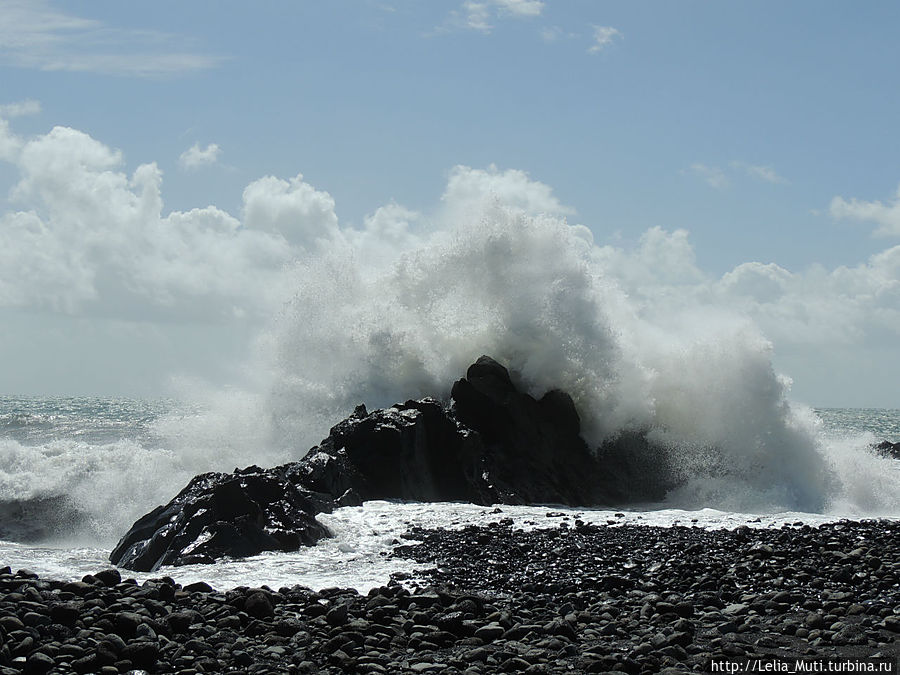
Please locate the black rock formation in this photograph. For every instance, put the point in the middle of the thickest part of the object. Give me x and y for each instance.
(216, 515)
(492, 444)
(888, 449)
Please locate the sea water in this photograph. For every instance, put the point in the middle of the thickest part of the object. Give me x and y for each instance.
(88, 467)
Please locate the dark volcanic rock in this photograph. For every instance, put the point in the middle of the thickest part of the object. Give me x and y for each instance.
(583, 599)
(671, 597)
(216, 515)
(888, 449)
(533, 450)
(415, 451)
(492, 444)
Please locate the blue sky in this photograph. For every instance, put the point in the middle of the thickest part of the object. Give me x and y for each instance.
(765, 130)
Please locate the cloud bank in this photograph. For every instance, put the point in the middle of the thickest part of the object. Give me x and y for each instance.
(886, 216)
(88, 238)
(35, 35)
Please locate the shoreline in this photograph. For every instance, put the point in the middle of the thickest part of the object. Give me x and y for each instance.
(583, 598)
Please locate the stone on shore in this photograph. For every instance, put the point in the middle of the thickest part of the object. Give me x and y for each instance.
(582, 599)
(491, 444)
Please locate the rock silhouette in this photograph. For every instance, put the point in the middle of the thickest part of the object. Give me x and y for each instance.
(888, 449)
(491, 444)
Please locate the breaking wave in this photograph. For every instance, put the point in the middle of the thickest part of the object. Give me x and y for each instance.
(377, 321)
(539, 295)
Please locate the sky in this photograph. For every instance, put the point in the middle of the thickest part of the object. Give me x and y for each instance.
(164, 166)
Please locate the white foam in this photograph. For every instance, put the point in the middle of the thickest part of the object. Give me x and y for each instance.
(110, 485)
(357, 557)
(529, 290)
(536, 294)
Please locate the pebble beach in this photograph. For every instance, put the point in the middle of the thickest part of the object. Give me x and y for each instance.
(571, 598)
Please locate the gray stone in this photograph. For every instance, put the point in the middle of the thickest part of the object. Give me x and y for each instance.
(490, 632)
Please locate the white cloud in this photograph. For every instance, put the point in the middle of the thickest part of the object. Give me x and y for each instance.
(20, 109)
(604, 36)
(33, 34)
(521, 7)
(387, 233)
(766, 173)
(471, 190)
(669, 255)
(90, 239)
(195, 156)
(720, 178)
(660, 275)
(551, 34)
(756, 281)
(479, 15)
(9, 142)
(761, 172)
(857, 305)
(293, 209)
(714, 176)
(809, 312)
(886, 216)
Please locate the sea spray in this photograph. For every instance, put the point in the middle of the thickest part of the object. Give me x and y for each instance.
(517, 288)
(81, 470)
(533, 292)
(539, 295)
(527, 288)
(735, 440)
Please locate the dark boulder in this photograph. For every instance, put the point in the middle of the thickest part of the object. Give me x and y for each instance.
(888, 449)
(532, 450)
(238, 514)
(413, 451)
(491, 444)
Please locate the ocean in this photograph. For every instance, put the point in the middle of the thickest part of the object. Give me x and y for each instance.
(76, 472)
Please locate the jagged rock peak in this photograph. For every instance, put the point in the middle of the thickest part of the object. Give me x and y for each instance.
(491, 444)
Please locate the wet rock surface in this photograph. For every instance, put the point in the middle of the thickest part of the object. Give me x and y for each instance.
(491, 444)
(888, 449)
(237, 514)
(568, 599)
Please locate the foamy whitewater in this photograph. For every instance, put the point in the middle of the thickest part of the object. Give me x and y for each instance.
(385, 314)
(112, 460)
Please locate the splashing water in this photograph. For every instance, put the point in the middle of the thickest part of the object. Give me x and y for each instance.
(533, 292)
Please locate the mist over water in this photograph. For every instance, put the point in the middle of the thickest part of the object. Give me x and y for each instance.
(399, 308)
(520, 289)
(538, 295)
